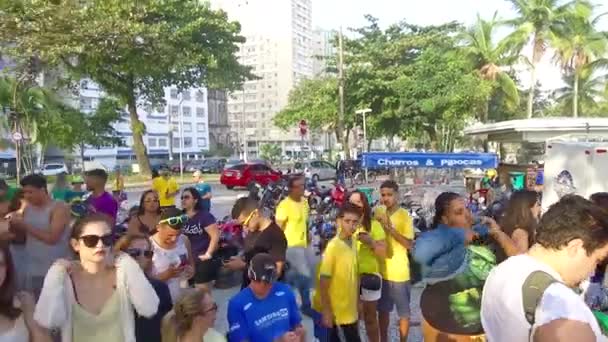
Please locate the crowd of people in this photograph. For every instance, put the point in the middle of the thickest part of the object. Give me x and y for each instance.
(73, 276)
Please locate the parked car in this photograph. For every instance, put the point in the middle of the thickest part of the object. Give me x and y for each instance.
(248, 175)
(316, 169)
(213, 165)
(195, 165)
(53, 169)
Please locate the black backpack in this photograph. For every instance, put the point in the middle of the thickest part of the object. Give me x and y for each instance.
(532, 292)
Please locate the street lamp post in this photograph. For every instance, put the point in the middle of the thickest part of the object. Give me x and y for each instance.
(364, 113)
(181, 137)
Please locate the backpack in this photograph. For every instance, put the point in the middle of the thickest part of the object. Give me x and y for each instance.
(532, 292)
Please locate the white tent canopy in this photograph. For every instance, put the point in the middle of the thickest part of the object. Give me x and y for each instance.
(538, 130)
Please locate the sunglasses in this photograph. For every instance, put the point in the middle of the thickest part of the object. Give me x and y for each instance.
(136, 252)
(92, 240)
(174, 221)
(211, 309)
(246, 222)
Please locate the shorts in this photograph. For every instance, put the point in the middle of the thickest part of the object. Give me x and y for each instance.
(206, 271)
(395, 293)
(321, 332)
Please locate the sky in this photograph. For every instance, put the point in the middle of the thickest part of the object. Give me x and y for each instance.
(333, 14)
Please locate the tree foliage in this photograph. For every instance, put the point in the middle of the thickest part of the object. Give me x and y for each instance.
(132, 49)
(271, 153)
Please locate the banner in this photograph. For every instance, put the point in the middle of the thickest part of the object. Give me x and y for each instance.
(433, 160)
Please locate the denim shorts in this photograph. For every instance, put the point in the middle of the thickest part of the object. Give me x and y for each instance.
(395, 294)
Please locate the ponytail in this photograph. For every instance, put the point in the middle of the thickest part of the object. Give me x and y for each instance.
(442, 203)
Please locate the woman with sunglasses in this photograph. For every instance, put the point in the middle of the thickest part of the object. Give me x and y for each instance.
(172, 261)
(371, 251)
(139, 248)
(192, 319)
(148, 214)
(204, 236)
(92, 300)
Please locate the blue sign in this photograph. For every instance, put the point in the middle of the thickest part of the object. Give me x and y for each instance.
(434, 160)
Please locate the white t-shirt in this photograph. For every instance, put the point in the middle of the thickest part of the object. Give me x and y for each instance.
(163, 258)
(502, 312)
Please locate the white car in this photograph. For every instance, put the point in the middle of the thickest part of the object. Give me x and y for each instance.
(53, 169)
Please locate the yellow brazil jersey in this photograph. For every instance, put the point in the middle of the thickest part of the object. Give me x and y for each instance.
(339, 263)
(295, 216)
(163, 186)
(396, 266)
(368, 261)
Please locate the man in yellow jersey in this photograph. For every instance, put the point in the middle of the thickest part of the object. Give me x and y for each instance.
(166, 186)
(337, 293)
(292, 217)
(395, 269)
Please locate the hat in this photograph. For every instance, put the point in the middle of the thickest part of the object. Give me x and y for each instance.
(263, 268)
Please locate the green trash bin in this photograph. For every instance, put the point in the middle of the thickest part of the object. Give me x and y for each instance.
(369, 193)
(518, 180)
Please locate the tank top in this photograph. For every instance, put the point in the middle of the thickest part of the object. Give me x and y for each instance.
(163, 258)
(103, 327)
(40, 256)
(19, 332)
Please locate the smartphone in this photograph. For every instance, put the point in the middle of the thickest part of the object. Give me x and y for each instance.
(183, 260)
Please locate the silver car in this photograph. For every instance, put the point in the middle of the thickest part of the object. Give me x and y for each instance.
(316, 169)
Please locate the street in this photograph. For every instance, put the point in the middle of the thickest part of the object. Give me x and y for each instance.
(221, 204)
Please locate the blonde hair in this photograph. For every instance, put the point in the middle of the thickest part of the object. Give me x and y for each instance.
(126, 240)
(179, 320)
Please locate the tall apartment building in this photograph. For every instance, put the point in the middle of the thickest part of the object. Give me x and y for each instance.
(322, 50)
(279, 49)
(184, 114)
(219, 130)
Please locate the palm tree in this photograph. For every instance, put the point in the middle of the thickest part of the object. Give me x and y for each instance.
(490, 59)
(579, 50)
(538, 19)
(583, 90)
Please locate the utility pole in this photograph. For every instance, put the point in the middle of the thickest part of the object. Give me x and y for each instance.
(341, 93)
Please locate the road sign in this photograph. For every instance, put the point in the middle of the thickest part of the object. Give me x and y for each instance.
(17, 136)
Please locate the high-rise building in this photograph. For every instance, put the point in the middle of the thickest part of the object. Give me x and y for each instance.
(279, 49)
(184, 114)
(322, 49)
(219, 130)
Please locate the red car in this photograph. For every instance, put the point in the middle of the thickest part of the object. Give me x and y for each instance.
(246, 175)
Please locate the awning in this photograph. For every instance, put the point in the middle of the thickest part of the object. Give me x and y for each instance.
(433, 160)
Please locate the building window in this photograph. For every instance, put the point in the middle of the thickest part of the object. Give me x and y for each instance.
(186, 95)
(174, 110)
(162, 142)
(201, 127)
(187, 142)
(175, 127)
(200, 112)
(187, 127)
(187, 111)
(86, 103)
(200, 96)
(151, 142)
(201, 142)
(173, 93)
(176, 142)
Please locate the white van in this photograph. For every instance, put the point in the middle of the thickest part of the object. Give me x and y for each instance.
(574, 168)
